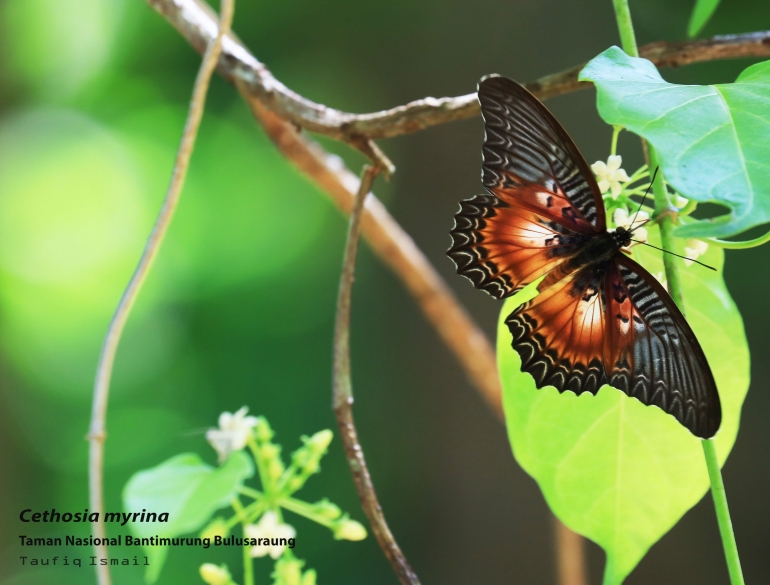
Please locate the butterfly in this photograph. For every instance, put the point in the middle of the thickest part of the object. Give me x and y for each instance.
(599, 317)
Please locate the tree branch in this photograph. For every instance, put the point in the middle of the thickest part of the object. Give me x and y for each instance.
(195, 20)
(97, 433)
(343, 395)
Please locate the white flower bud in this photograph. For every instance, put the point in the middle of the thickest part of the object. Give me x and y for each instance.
(214, 575)
(319, 442)
(349, 530)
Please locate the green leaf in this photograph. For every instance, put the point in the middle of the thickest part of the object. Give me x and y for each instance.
(189, 490)
(612, 469)
(711, 138)
(701, 14)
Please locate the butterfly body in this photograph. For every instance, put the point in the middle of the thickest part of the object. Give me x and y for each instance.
(599, 317)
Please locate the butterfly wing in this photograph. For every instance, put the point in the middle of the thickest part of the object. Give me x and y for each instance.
(543, 202)
(652, 354)
(613, 323)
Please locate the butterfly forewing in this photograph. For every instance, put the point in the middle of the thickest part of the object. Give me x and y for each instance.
(542, 205)
(524, 143)
(599, 318)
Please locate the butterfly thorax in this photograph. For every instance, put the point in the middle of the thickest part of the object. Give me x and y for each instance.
(600, 248)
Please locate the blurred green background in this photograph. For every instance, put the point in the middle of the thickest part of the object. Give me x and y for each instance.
(239, 307)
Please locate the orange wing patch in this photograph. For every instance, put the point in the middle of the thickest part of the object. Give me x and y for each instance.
(560, 333)
(505, 241)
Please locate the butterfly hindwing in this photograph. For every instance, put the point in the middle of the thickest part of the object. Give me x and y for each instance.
(612, 323)
(560, 333)
(652, 354)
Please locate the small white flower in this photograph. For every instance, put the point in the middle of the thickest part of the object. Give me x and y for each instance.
(622, 219)
(609, 175)
(681, 202)
(694, 249)
(271, 532)
(232, 434)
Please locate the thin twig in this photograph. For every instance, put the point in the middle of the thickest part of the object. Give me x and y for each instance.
(194, 19)
(397, 249)
(97, 430)
(343, 395)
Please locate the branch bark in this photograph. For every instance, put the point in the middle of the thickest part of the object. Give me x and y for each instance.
(195, 20)
(570, 555)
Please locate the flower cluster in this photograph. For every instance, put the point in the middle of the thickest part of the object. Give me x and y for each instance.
(262, 519)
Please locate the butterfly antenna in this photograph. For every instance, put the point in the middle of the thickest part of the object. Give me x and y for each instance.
(675, 254)
(647, 192)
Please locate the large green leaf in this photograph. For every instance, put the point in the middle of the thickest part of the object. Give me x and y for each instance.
(712, 139)
(701, 14)
(610, 468)
(189, 490)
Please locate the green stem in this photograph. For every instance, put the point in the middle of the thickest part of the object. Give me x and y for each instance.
(639, 174)
(723, 514)
(666, 226)
(626, 27)
(665, 223)
(307, 510)
(248, 568)
(615, 132)
(252, 493)
(640, 191)
(689, 208)
(247, 514)
(264, 477)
